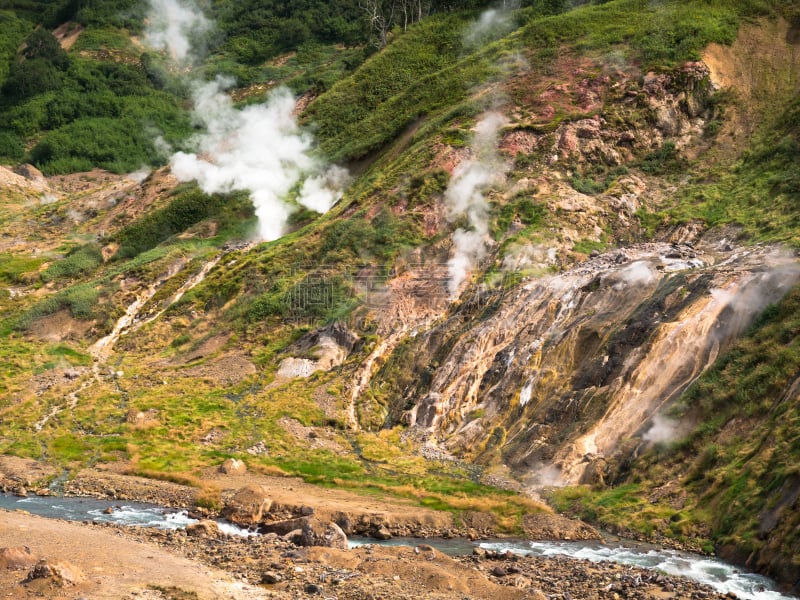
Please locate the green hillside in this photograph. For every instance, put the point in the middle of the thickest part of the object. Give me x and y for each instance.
(615, 131)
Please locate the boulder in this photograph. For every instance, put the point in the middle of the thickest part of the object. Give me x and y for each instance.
(320, 533)
(59, 572)
(248, 505)
(204, 528)
(271, 577)
(382, 533)
(233, 466)
(282, 526)
(29, 172)
(295, 536)
(19, 557)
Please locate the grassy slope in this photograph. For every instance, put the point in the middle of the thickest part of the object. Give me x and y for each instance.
(359, 116)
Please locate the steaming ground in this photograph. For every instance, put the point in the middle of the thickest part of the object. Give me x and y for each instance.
(466, 200)
(259, 149)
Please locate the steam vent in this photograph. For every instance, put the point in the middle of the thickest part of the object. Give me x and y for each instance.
(400, 299)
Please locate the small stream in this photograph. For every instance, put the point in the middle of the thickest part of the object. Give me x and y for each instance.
(708, 570)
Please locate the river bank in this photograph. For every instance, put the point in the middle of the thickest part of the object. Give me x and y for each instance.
(274, 567)
(145, 563)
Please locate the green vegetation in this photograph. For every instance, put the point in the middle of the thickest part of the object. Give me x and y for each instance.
(79, 261)
(187, 208)
(80, 299)
(760, 191)
(521, 209)
(13, 268)
(257, 30)
(412, 77)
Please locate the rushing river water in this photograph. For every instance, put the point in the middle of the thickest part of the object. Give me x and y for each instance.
(109, 511)
(716, 573)
(720, 575)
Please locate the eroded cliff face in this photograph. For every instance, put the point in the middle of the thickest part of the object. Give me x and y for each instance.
(567, 372)
(562, 377)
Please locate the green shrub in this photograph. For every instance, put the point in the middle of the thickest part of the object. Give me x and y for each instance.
(663, 161)
(258, 30)
(522, 208)
(79, 261)
(382, 238)
(186, 209)
(13, 267)
(81, 301)
(127, 14)
(12, 34)
(10, 146)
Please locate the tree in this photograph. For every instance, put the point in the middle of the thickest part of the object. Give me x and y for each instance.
(42, 44)
(380, 14)
(31, 77)
(385, 14)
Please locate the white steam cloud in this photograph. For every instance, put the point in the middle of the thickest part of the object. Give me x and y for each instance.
(543, 475)
(636, 274)
(260, 148)
(664, 430)
(172, 25)
(465, 198)
(492, 24)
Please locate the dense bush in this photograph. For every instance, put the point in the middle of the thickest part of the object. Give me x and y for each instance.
(10, 147)
(12, 33)
(81, 300)
(79, 261)
(260, 29)
(187, 208)
(382, 237)
(521, 208)
(129, 14)
(107, 115)
(119, 145)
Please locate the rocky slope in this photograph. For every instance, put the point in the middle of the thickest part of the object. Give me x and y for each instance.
(521, 289)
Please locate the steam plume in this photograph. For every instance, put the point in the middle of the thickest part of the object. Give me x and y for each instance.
(492, 24)
(664, 430)
(172, 26)
(465, 198)
(259, 148)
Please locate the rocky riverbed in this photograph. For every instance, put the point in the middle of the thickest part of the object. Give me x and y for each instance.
(203, 562)
(390, 573)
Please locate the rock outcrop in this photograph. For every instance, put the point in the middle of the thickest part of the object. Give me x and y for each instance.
(320, 533)
(233, 466)
(248, 506)
(561, 370)
(326, 348)
(60, 573)
(19, 557)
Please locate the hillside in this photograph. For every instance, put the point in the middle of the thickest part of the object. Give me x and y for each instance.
(482, 260)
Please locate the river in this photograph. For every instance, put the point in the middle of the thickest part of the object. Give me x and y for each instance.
(720, 575)
(109, 511)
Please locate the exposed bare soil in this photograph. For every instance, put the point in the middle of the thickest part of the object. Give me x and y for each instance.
(139, 563)
(114, 567)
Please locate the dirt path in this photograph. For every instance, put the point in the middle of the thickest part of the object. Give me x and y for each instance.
(114, 567)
